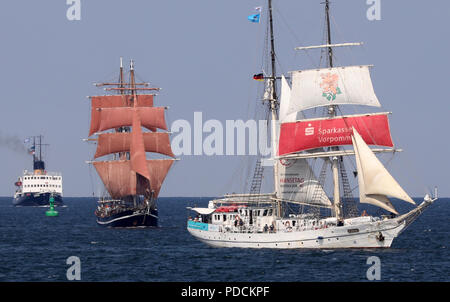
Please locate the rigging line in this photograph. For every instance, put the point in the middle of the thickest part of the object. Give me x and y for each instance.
(265, 47)
(364, 124)
(91, 180)
(324, 51)
(340, 35)
(291, 31)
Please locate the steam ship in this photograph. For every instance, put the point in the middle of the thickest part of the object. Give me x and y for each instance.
(34, 188)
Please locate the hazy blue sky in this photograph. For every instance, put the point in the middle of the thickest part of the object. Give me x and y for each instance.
(202, 54)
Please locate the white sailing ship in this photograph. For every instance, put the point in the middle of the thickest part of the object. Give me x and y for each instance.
(258, 220)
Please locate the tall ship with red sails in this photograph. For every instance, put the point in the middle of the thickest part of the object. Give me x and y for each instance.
(124, 125)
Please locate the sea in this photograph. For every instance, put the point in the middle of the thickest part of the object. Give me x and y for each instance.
(37, 248)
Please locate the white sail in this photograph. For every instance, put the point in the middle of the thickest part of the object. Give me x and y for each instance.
(297, 182)
(376, 179)
(377, 200)
(285, 98)
(331, 86)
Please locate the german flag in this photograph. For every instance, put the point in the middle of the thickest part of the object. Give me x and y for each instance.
(258, 77)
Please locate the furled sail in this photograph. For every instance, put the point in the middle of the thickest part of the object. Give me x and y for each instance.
(120, 180)
(114, 101)
(109, 143)
(375, 179)
(350, 85)
(297, 183)
(325, 132)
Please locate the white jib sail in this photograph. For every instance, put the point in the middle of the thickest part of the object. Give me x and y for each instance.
(331, 86)
(284, 103)
(377, 180)
(297, 183)
(377, 200)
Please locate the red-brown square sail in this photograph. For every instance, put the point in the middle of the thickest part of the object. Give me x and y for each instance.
(121, 181)
(109, 143)
(114, 101)
(117, 177)
(150, 117)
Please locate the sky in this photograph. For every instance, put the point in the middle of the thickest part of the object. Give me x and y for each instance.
(203, 55)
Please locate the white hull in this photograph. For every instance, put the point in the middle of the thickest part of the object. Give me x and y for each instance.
(333, 237)
(376, 234)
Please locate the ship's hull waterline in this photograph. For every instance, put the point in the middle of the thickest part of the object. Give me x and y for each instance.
(130, 219)
(371, 235)
(374, 234)
(37, 200)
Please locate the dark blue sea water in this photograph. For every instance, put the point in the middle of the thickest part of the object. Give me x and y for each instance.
(34, 247)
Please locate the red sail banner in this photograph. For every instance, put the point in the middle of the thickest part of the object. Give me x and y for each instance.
(120, 180)
(109, 143)
(317, 133)
(150, 118)
(114, 101)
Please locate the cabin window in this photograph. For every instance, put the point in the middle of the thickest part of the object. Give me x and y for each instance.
(265, 213)
(353, 230)
(224, 217)
(293, 223)
(270, 212)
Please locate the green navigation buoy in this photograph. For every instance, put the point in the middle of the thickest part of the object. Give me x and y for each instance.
(52, 211)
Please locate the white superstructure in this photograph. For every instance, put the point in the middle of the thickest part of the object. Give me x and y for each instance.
(39, 182)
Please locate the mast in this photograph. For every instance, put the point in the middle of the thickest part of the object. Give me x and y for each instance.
(40, 147)
(34, 153)
(330, 49)
(121, 76)
(38, 163)
(273, 103)
(332, 113)
(133, 93)
(122, 155)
